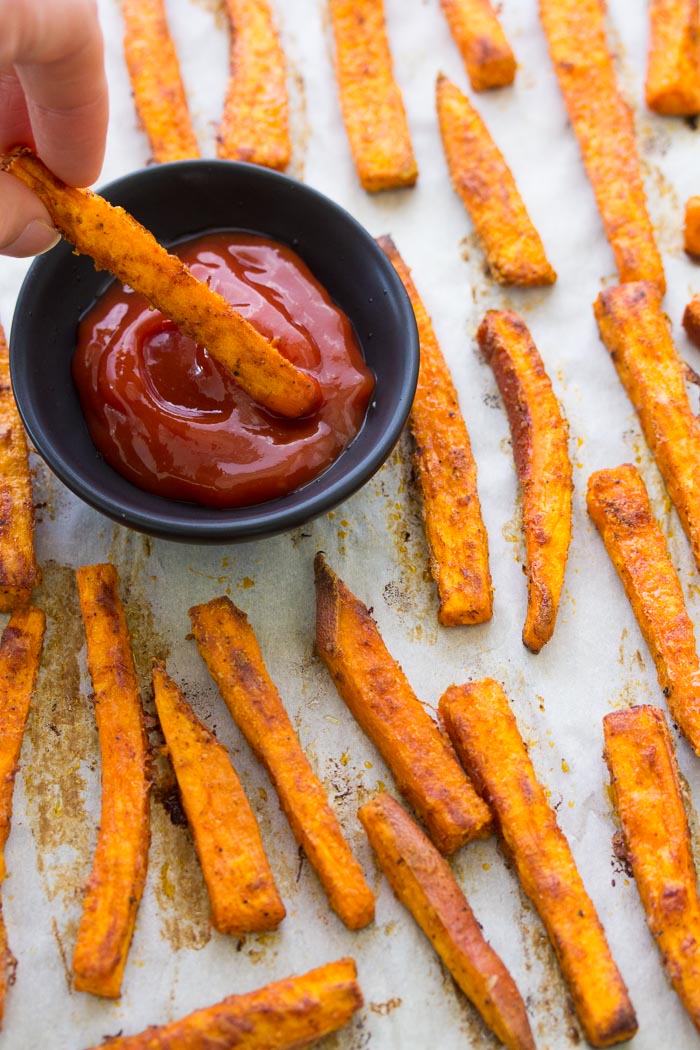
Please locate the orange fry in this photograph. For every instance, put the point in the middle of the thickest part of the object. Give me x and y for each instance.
(119, 866)
(480, 38)
(691, 226)
(673, 70)
(484, 731)
(513, 247)
(454, 527)
(370, 98)
(691, 320)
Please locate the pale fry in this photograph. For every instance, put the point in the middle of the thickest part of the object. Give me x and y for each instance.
(673, 70)
(691, 226)
(454, 527)
(480, 38)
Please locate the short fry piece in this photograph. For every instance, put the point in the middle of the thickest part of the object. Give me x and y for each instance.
(691, 226)
(370, 98)
(691, 320)
(119, 866)
(480, 38)
(285, 1015)
(540, 447)
(647, 795)
(159, 94)
(255, 123)
(423, 882)
(484, 731)
(619, 505)
(673, 70)
(241, 887)
(454, 527)
(121, 245)
(480, 176)
(636, 333)
(377, 692)
(575, 31)
(230, 650)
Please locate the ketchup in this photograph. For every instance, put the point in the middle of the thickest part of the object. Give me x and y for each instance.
(172, 420)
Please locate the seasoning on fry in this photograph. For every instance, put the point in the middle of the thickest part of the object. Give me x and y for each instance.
(379, 697)
(513, 247)
(119, 865)
(485, 734)
(539, 434)
(454, 527)
(480, 38)
(673, 69)
(691, 226)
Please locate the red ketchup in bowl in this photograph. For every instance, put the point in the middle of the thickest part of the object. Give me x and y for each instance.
(172, 420)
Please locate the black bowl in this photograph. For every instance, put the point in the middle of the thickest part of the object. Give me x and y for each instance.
(180, 200)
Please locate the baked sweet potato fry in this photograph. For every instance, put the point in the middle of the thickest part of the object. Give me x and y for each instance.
(121, 245)
(285, 1015)
(230, 650)
(379, 697)
(691, 320)
(480, 38)
(446, 471)
(159, 94)
(636, 333)
(601, 119)
(370, 99)
(673, 69)
(647, 795)
(423, 882)
(539, 434)
(619, 505)
(485, 734)
(119, 865)
(255, 122)
(241, 887)
(480, 176)
(691, 226)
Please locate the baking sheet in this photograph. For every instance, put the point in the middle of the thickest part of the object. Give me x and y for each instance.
(596, 661)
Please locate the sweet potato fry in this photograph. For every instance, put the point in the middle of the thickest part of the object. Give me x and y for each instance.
(119, 866)
(423, 882)
(601, 119)
(454, 527)
(159, 94)
(370, 98)
(284, 1015)
(377, 692)
(255, 122)
(636, 333)
(540, 447)
(691, 226)
(647, 795)
(619, 505)
(480, 38)
(121, 245)
(513, 248)
(241, 887)
(673, 69)
(691, 320)
(230, 650)
(485, 734)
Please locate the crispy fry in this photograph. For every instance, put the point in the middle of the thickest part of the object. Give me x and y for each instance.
(602, 121)
(691, 320)
(619, 505)
(636, 333)
(370, 98)
(647, 795)
(8, 966)
(119, 865)
(540, 447)
(513, 248)
(424, 883)
(485, 734)
(379, 697)
(241, 887)
(230, 650)
(480, 38)
(673, 70)
(255, 122)
(159, 94)
(691, 226)
(454, 527)
(121, 245)
(284, 1015)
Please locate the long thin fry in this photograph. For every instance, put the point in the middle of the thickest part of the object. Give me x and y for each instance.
(673, 69)
(454, 527)
(230, 650)
(119, 866)
(121, 245)
(484, 731)
(480, 38)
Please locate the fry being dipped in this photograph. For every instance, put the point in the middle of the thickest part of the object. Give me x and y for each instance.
(480, 38)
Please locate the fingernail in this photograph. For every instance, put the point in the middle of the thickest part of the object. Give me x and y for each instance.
(38, 237)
